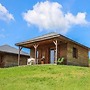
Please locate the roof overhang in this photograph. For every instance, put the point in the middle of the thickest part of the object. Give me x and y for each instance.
(49, 39)
(38, 41)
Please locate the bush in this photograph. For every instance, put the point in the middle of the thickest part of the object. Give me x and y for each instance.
(60, 60)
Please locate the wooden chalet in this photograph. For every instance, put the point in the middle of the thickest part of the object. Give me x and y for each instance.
(52, 46)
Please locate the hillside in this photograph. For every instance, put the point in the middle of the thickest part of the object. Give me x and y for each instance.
(45, 77)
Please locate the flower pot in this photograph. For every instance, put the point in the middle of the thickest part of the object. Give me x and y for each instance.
(42, 62)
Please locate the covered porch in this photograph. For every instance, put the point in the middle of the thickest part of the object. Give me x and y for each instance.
(46, 51)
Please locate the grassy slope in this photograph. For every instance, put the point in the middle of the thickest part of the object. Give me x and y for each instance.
(47, 77)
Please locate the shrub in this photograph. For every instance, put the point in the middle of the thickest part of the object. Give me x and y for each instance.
(60, 60)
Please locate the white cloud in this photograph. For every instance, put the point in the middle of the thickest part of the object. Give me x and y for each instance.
(50, 16)
(4, 14)
(79, 19)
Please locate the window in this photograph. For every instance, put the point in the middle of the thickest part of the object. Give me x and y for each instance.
(75, 52)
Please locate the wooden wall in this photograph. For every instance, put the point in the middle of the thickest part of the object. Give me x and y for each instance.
(44, 51)
(81, 60)
(12, 60)
(1, 60)
(32, 53)
(64, 50)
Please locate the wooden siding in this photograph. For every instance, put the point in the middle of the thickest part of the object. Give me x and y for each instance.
(63, 52)
(32, 53)
(82, 58)
(12, 60)
(1, 60)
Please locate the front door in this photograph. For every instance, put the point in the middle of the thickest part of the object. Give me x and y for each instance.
(52, 56)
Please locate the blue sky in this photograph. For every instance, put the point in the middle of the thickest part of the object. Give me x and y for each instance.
(21, 20)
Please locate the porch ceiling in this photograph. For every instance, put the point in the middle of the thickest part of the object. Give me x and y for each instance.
(41, 42)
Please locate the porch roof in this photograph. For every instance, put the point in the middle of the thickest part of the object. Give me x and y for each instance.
(47, 38)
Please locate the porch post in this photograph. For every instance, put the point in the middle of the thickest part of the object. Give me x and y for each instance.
(56, 44)
(20, 48)
(35, 47)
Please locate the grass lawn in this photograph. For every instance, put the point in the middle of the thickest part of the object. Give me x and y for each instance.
(45, 77)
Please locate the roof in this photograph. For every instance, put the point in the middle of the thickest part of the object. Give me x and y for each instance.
(10, 49)
(39, 38)
(50, 36)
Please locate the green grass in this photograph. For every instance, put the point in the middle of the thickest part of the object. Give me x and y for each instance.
(45, 77)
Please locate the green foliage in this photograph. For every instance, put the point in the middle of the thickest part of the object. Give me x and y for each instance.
(45, 77)
(60, 60)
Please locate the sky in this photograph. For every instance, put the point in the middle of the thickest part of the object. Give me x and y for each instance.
(21, 20)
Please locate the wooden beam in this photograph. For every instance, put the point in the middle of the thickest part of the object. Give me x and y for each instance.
(54, 42)
(56, 46)
(35, 47)
(56, 51)
(20, 48)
